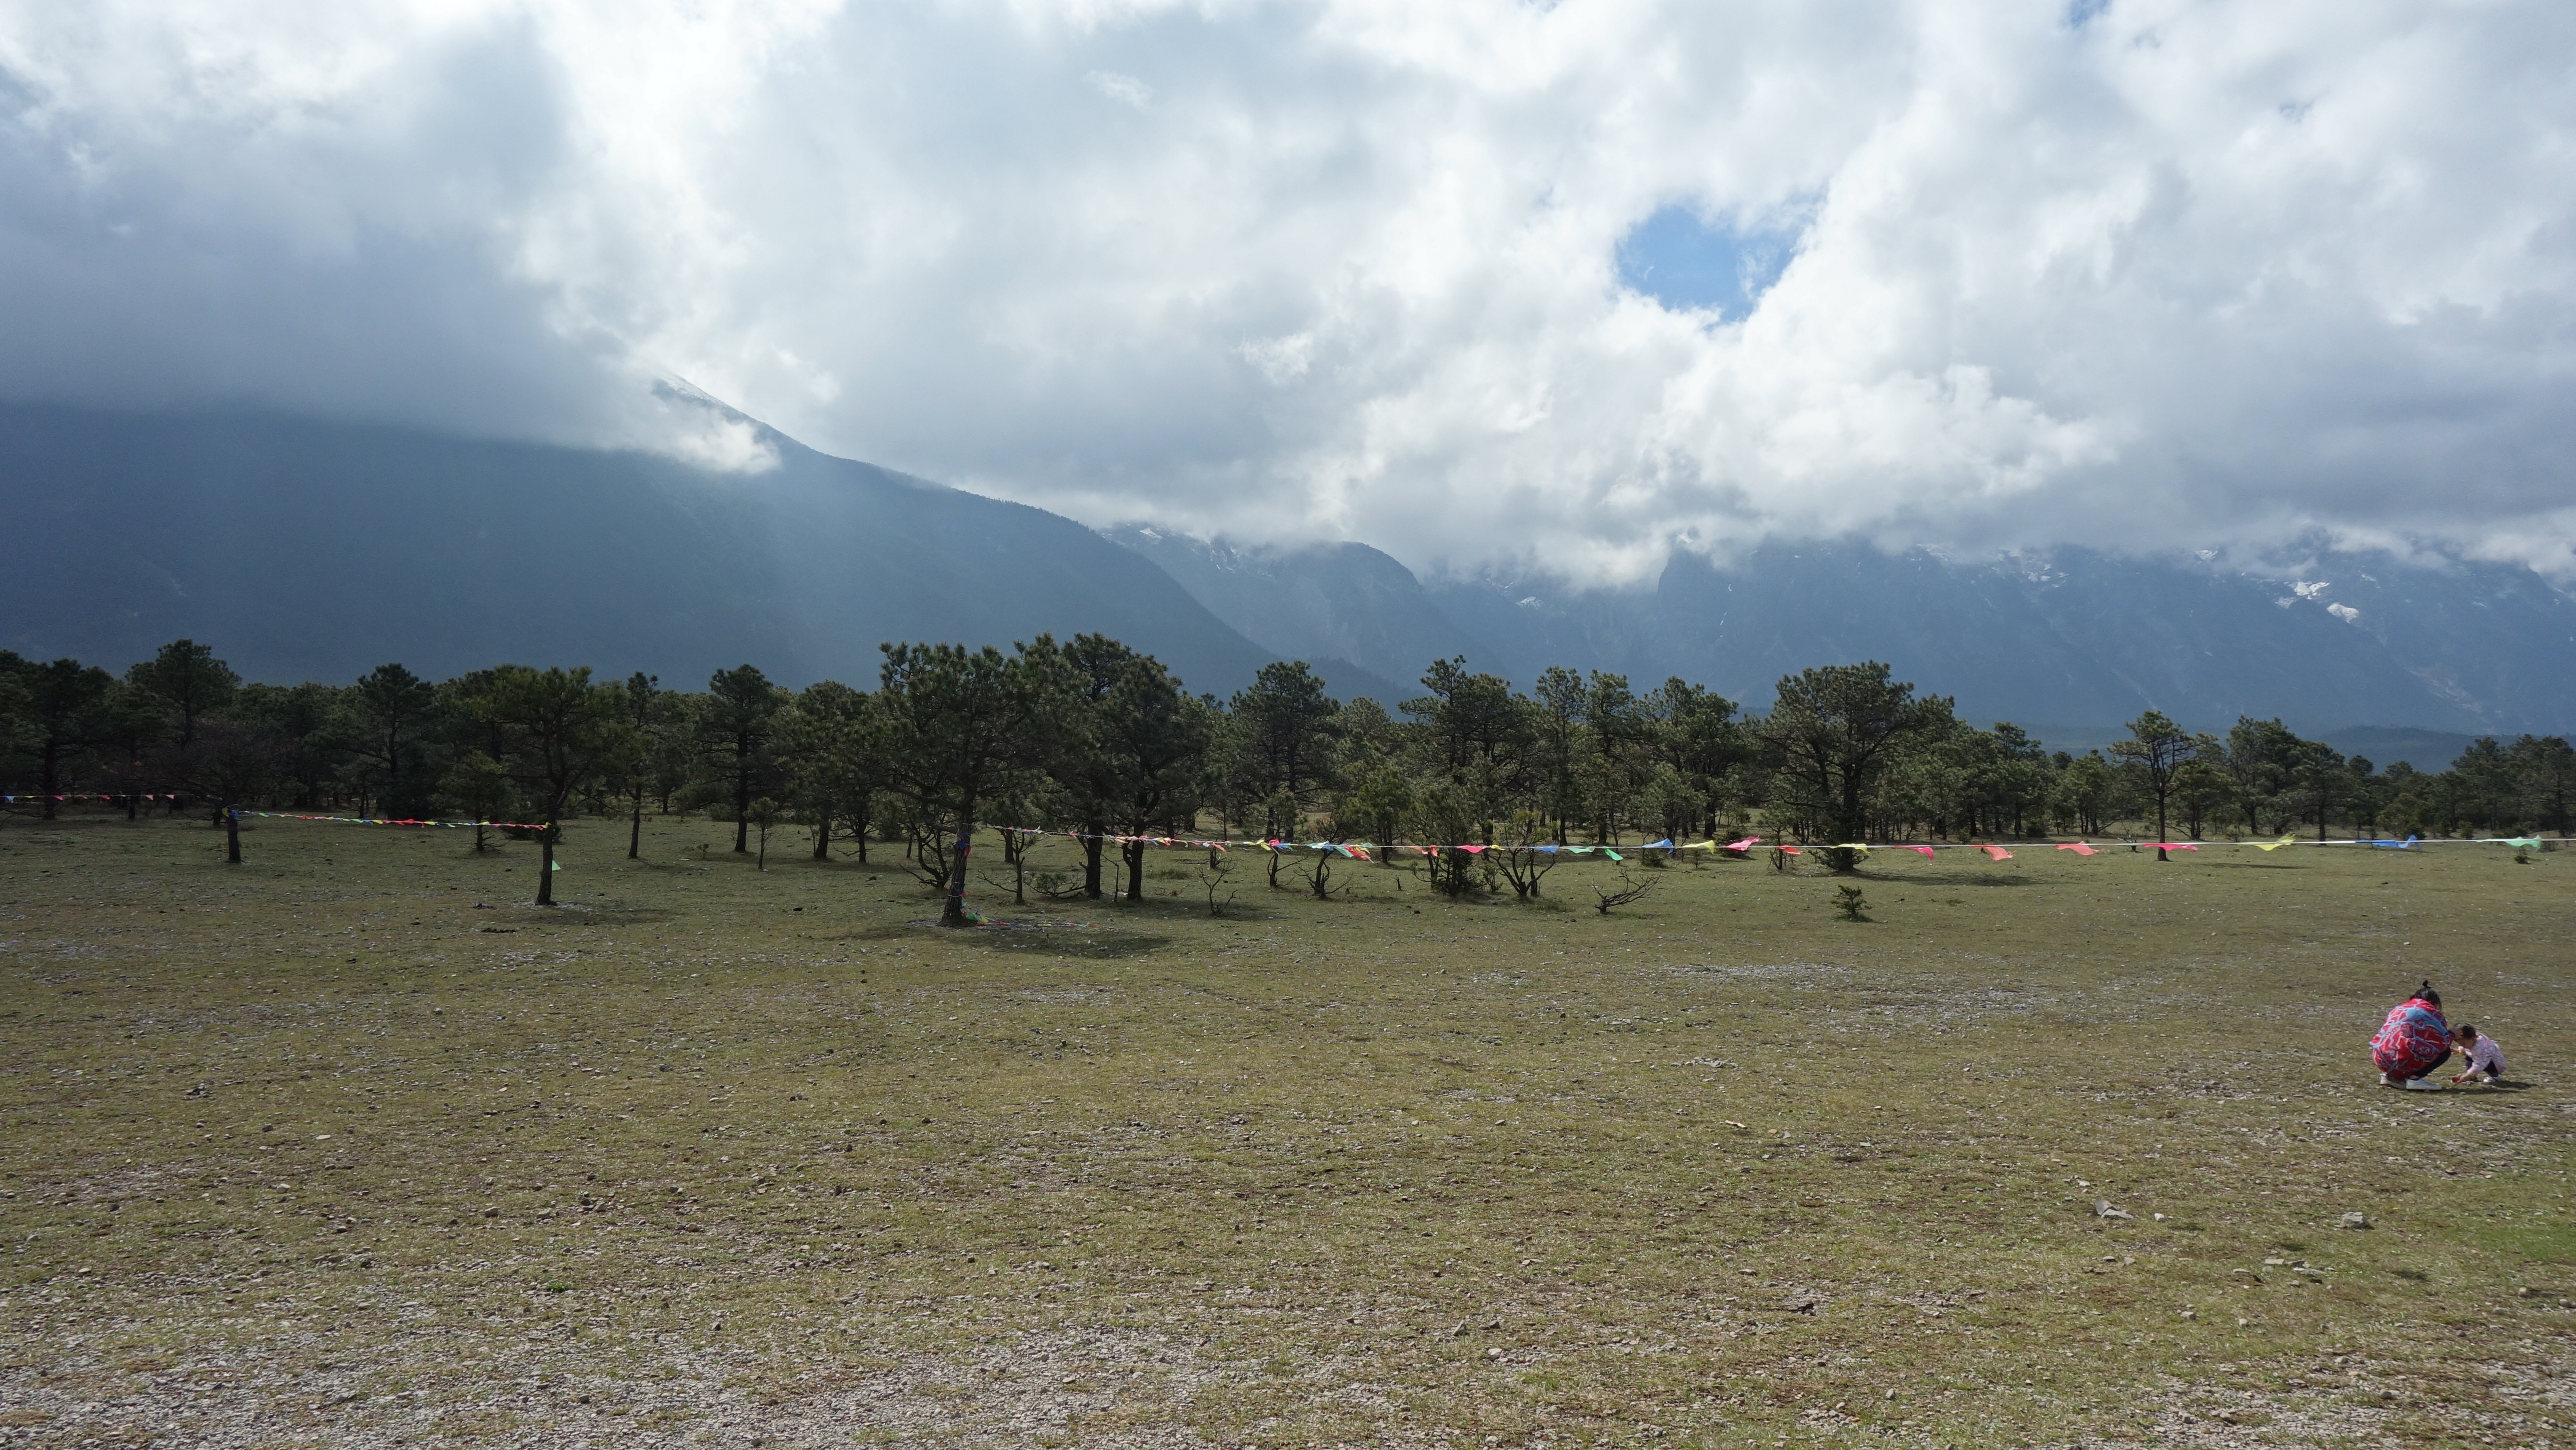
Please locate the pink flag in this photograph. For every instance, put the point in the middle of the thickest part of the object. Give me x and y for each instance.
(2080, 849)
(1926, 850)
(2176, 846)
(1746, 844)
(1997, 853)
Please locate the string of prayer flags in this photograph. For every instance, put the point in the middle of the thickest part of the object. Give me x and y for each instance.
(87, 795)
(392, 821)
(1362, 850)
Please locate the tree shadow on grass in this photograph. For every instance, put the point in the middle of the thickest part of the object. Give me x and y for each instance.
(1033, 936)
(1094, 946)
(2254, 865)
(1947, 878)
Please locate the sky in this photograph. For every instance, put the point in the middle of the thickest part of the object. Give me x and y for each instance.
(1482, 283)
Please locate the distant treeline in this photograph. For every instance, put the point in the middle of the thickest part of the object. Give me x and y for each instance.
(1090, 736)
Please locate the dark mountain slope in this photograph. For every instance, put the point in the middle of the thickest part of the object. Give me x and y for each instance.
(2075, 635)
(1325, 602)
(317, 550)
(2072, 635)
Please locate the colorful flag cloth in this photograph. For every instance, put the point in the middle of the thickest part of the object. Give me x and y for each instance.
(1926, 850)
(2176, 846)
(1996, 853)
(2412, 1041)
(2275, 845)
(2080, 849)
(1747, 844)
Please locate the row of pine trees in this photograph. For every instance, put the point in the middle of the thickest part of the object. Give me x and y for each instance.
(1093, 737)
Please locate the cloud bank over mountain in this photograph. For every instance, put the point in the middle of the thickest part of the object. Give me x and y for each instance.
(1469, 280)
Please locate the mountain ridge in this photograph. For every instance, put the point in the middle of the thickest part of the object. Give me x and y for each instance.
(2352, 640)
(307, 549)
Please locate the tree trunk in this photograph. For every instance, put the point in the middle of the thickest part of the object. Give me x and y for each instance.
(635, 829)
(1135, 854)
(1092, 831)
(1850, 827)
(2160, 830)
(742, 798)
(232, 836)
(953, 911)
(49, 778)
(823, 836)
(546, 866)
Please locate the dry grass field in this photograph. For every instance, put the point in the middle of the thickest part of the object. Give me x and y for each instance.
(346, 1147)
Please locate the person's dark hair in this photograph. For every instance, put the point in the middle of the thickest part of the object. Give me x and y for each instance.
(2426, 994)
(2465, 1030)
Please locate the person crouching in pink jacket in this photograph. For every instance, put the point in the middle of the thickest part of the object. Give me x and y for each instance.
(2412, 1042)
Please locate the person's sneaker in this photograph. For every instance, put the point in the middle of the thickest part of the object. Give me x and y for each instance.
(2423, 1084)
(2384, 1082)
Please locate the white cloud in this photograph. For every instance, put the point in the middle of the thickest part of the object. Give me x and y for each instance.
(2178, 274)
(1125, 90)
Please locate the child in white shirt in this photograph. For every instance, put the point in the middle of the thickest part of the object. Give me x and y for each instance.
(2484, 1056)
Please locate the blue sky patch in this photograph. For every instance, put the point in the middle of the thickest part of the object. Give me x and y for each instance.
(1688, 263)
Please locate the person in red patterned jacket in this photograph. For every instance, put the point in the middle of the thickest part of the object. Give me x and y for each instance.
(2412, 1042)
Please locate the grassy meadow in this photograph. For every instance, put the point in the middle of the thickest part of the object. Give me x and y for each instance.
(347, 1146)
